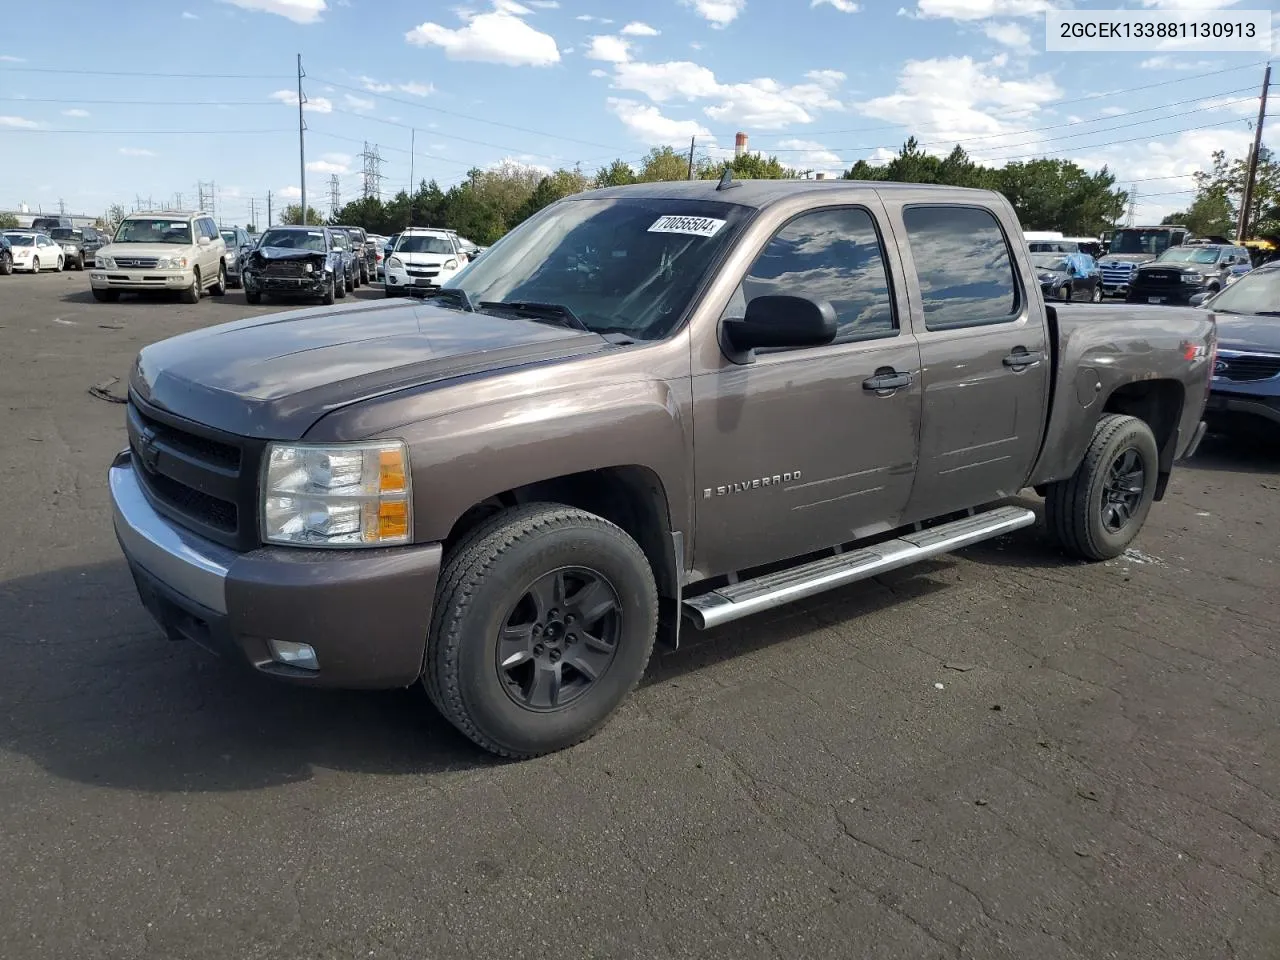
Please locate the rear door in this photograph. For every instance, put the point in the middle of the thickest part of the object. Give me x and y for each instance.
(985, 363)
(805, 448)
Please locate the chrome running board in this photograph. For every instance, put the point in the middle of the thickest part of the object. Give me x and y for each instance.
(747, 597)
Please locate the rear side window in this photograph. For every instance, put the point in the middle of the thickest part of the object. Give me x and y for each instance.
(833, 255)
(964, 266)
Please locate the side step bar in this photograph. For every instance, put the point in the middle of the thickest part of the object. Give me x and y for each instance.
(747, 597)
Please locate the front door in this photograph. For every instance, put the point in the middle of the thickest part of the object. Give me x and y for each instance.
(804, 448)
(985, 363)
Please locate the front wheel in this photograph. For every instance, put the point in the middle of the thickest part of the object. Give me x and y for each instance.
(1096, 512)
(544, 620)
(328, 297)
(341, 287)
(35, 264)
(252, 297)
(348, 283)
(1096, 296)
(6, 263)
(1065, 292)
(192, 293)
(219, 289)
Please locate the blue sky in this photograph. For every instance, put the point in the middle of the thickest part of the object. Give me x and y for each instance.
(555, 82)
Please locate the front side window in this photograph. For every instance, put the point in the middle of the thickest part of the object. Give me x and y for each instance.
(832, 255)
(630, 265)
(964, 266)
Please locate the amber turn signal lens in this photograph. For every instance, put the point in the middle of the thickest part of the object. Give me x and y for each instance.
(391, 471)
(393, 520)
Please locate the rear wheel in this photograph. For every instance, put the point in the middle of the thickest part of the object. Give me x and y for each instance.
(1096, 513)
(58, 266)
(544, 621)
(219, 289)
(348, 284)
(6, 263)
(35, 264)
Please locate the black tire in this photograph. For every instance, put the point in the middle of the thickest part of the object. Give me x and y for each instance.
(341, 287)
(253, 297)
(1096, 295)
(35, 264)
(193, 292)
(219, 289)
(6, 264)
(59, 265)
(388, 291)
(364, 275)
(488, 577)
(107, 296)
(1080, 512)
(1066, 292)
(329, 293)
(79, 262)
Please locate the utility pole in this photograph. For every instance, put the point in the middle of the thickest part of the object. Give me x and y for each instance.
(692, 142)
(253, 211)
(269, 208)
(302, 146)
(372, 171)
(177, 200)
(1246, 200)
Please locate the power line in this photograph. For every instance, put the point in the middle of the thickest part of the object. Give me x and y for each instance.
(447, 136)
(133, 73)
(140, 133)
(146, 103)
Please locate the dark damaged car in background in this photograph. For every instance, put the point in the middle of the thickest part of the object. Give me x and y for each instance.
(295, 263)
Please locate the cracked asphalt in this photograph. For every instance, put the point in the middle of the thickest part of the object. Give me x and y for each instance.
(1002, 754)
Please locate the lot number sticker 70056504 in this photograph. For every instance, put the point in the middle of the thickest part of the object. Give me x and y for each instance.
(693, 226)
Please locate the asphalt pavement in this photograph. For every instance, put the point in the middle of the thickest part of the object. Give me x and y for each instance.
(1002, 754)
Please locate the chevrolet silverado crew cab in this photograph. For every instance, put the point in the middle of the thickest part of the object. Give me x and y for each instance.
(646, 404)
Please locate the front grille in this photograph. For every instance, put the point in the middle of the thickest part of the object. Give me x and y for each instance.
(1119, 273)
(137, 263)
(285, 268)
(201, 478)
(421, 272)
(1247, 367)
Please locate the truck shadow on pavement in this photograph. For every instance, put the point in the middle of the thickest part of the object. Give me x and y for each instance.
(93, 693)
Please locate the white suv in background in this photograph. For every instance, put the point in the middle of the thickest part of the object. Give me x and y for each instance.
(422, 257)
(166, 250)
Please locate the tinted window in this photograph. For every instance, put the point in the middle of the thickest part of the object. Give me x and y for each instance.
(831, 255)
(964, 266)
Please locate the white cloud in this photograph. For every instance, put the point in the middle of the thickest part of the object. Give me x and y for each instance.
(374, 86)
(844, 6)
(588, 18)
(188, 15)
(826, 78)
(810, 155)
(1112, 112)
(597, 72)
(958, 98)
(356, 103)
(290, 193)
(135, 152)
(18, 123)
(1189, 4)
(1010, 34)
(313, 104)
(719, 13)
(667, 81)
(609, 49)
(6, 58)
(982, 9)
(326, 167)
(694, 45)
(638, 29)
(545, 4)
(75, 112)
(417, 89)
(299, 11)
(646, 123)
(499, 36)
(1167, 62)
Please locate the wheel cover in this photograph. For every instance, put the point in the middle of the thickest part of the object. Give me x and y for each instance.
(558, 639)
(1123, 489)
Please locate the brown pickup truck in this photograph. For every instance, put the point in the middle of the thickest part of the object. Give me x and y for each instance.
(645, 404)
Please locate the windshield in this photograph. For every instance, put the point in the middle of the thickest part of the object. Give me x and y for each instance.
(150, 230)
(20, 239)
(1141, 241)
(424, 245)
(229, 236)
(629, 265)
(1051, 262)
(1256, 292)
(66, 233)
(1190, 255)
(295, 239)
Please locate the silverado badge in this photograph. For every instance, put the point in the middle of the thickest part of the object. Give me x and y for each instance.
(744, 485)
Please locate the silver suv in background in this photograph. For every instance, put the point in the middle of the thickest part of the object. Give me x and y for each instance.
(239, 243)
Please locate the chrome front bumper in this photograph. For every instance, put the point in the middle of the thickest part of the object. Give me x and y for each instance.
(189, 564)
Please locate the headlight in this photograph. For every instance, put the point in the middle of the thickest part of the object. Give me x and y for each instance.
(1192, 278)
(348, 495)
(396, 263)
(308, 267)
(104, 263)
(450, 264)
(171, 263)
(69, 248)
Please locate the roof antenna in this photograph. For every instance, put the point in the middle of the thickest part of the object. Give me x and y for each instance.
(726, 179)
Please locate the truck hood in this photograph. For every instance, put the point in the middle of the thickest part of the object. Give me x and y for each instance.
(1248, 333)
(1127, 258)
(266, 254)
(273, 377)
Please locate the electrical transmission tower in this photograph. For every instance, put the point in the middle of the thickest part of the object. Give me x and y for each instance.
(1133, 205)
(335, 194)
(372, 171)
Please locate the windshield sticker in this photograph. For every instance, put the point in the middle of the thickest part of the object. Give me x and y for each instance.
(693, 226)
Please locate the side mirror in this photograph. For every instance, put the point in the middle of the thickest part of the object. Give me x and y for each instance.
(782, 321)
(203, 240)
(1198, 299)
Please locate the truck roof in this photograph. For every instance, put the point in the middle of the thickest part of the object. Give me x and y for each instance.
(762, 193)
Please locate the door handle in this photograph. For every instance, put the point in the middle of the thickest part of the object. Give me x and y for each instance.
(1023, 358)
(889, 380)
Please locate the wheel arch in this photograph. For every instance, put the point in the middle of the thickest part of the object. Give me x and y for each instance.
(1158, 403)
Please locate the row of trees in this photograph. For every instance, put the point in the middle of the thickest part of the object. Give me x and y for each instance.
(1215, 211)
(1047, 194)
